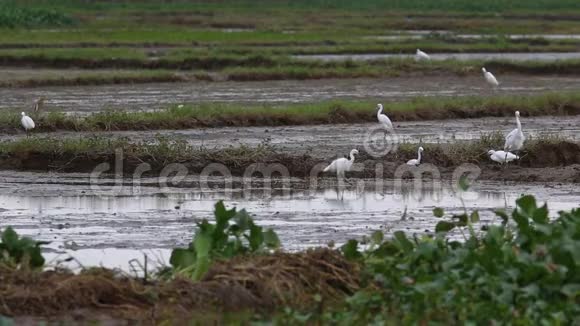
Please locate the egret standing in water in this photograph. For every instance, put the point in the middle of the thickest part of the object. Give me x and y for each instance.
(490, 78)
(341, 165)
(384, 120)
(416, 161)
(514, 141)
(422, 55)
(502, 156)
(27, 123)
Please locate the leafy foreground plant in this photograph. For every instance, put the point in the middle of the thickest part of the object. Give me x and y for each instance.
(234, 233)
(525, 271)
(20, 252)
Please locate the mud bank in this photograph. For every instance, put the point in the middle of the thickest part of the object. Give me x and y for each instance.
(243, 285)
(120, 156)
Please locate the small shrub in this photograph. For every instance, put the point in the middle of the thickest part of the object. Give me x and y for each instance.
(20, 252)
(234, 233)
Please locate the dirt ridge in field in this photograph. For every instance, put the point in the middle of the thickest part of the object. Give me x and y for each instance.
(242, 284)
(561, 158)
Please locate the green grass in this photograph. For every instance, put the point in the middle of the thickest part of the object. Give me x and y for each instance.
(401, 5)
(216, 114)
(12, 16)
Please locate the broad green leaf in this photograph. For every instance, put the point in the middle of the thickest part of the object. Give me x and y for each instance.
(438, 212)
(243, 220)
(36, 259)
(350, 250)
(527, 204)
(201, 267)
(181, 258)
(474, 217)
(10, 238)
(444, 226)
(202, 244)
(222, 215)
(271, 239)
(540, 215)
(406, 245)
(377, 237)
(256, 237)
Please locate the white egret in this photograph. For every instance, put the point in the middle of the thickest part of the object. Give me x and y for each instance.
(416, 161)
(490, 78)
(341, 165)
(502, 156)
(514, 141)
(422, 55)
(383, 119)
(27, 123)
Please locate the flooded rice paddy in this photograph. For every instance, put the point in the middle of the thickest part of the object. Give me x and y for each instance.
(85, 99)
(110, 226)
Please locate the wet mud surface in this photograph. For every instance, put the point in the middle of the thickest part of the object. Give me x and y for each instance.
(85, 99)
(101, 223)
(516, 56)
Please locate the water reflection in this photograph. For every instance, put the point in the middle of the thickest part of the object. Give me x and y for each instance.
(113, 230)
(407, 194)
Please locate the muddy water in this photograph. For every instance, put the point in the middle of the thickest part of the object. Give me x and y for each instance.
(86, 99)
(545, 56)
(111, 228)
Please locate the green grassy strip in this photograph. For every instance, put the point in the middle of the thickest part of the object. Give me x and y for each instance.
(217, 115)
(261, 5)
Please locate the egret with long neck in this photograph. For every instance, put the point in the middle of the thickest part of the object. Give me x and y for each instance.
(417, 161)
(341, 165)
(384, 121)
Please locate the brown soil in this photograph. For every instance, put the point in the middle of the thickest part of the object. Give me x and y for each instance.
(243, 284)
(559, 157)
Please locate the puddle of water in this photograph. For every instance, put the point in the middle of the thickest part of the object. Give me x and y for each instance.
(546, 56)
(110, 231)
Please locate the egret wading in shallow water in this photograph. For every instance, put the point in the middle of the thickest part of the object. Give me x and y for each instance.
(27, 123)
(514, 141)
(490, 78)
(384, 120)
(341, 165)
(416, 161)
(502, 156)
(422, 55)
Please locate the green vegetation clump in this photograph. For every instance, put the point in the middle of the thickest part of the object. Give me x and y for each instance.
(19, 252)
(203, 115)
(12, 16)
(233, 233)
(524, 271)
